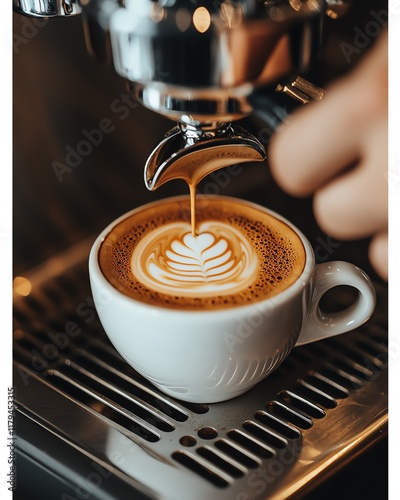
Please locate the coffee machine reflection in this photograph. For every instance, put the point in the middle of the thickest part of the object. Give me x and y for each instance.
(201, 65)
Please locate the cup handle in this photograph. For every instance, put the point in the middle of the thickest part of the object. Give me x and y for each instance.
(319, 325)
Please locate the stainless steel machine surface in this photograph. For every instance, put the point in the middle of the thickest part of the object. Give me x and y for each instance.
(88, 420)
(88, 426)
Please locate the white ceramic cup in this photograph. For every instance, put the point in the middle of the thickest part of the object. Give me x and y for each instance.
(206, 356)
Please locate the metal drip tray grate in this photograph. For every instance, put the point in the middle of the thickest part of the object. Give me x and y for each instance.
(326, 401)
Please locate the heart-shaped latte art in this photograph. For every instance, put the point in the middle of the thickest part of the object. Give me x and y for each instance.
(217, 261)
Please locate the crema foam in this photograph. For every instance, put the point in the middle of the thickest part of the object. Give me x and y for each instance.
(217, 261)
(240, 254)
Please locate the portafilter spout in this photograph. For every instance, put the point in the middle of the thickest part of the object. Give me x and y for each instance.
(192, 152)
(202, 64)
(198, 63)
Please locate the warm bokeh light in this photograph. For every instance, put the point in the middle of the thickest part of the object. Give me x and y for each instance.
(313, 5)
(157, 13)
(296, 4)
(182, 19)
(22, 286)
(201, 19)
(18, 335)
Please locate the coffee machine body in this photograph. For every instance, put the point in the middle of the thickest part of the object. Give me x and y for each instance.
(201, 64)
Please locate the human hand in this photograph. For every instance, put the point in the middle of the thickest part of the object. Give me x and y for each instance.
(337, 149)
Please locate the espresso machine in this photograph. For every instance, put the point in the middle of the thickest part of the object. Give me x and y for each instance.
(200, 64)
(214, 79)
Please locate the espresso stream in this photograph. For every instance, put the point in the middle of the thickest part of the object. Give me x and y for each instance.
(238, 254)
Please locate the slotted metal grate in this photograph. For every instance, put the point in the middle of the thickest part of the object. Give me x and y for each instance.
(323, 402)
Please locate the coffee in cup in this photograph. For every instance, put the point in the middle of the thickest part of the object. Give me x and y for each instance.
(239, 255)
(206, 316)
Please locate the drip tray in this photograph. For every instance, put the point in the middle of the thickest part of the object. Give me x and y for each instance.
(96, 429)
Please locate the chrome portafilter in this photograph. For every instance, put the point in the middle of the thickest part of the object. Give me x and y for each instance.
(201, 63)
(191, 153)
(47, 8)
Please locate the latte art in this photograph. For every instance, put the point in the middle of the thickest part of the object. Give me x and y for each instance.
(241, 254)
(217, 261)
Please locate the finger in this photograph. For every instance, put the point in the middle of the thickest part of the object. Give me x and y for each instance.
(323, 138)
(316, 144)
(378, 254)
(355, 204)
